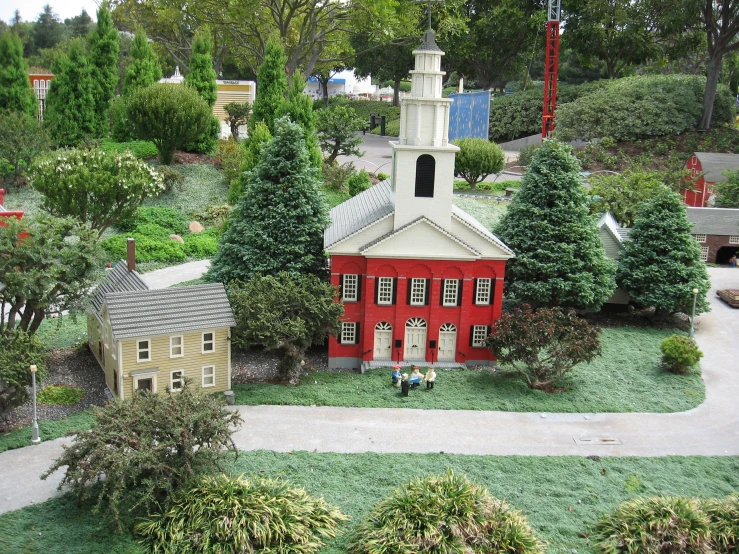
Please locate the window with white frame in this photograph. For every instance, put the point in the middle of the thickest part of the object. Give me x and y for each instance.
(176, 346)
(143, 350)
(209, 376)
(349, 288)
(700, 238)
(349, 333)
(704, 253)
(451, 289)
(418, 292)
(482, 294)
(209, 342)
(176, 380)
(385, 291)
(734, 239)
(479, 334)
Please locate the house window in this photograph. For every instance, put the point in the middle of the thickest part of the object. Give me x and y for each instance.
(349, 288)
(482, 292)
(176, 347)
(143, 350)
(176, 380)
(704, 253)
(349, 332)
(451, 289)
(734, 239)
(425, 172)
(209, 342)
(479, 334)
(418, 292)
(385, 291)
(209, 376)
(700, 238)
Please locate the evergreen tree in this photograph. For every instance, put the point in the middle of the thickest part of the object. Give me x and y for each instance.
(70, 104)
(104, 47)
(299, 107)
(278, 223)
(48, 30)
(16, 93)
(202, 76)
(560, 260)
(660, 266)
(144, 69)
(271, 86)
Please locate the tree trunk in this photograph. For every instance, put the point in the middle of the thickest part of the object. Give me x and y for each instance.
(709, 94)
(396, 92)
(324, 91)
(289, 365)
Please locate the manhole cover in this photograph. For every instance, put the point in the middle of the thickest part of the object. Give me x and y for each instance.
(596, 440)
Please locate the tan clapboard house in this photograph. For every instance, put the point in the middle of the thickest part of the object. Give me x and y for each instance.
(154, 339)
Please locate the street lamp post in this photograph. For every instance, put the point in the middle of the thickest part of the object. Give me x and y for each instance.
(692, 317)
(34, 426)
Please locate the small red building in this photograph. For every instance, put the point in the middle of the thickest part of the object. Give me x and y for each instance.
(40, 80)
(706, 169)
(421, 279)
(7, 213)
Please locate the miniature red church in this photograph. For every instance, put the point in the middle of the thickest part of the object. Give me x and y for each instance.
(421, 279)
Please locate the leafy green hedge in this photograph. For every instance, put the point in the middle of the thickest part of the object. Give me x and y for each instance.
(142, 149)
(169, 218)
(366, 107)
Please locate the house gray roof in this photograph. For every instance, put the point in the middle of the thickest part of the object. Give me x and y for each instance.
(118, 279)
(714, 221)
(168, 311)
(359, 212)
(714, 164)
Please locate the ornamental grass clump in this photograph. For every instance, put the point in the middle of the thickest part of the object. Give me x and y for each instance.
(724, 517)
(443, 514)
(658, 525)
(225, 514)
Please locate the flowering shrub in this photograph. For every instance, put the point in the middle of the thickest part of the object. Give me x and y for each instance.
(99, 188)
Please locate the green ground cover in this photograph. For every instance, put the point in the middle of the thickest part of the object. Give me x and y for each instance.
(334, 197)
(59, 333)
(48, 430)
(561, 496)
(486, 210)
(627, 378)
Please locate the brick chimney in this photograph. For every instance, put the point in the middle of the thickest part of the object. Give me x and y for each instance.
(131, 254)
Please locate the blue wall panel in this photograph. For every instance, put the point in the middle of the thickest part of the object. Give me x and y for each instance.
(469, 115)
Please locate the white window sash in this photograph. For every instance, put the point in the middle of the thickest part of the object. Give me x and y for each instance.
(482, 294)
(348, 333)
(139, 350)
(211, 341)
(451, 290)
(418, 292)
(479, 334)
(734, 239)
(173, 346)
(211, 375)
(349, 288)
(385, 291)
(180, 378)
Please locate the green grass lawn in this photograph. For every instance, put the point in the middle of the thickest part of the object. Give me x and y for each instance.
(627, 378)
(48, 430)
(561, 496)
(486, 210)
(59, 333)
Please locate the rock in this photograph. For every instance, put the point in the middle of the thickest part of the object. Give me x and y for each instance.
(177, 238)
(195, 227)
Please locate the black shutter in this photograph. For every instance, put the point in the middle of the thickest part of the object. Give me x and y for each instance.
(472, 334)
(409, 285)
(441, 295)
(356, 333)
(341, 287)
(492, 291)
(395, 291)
(377, 290)
(338, 337)
(359, 288)
(489, 330)
(474, 293)
(428, 292)
(459, 292)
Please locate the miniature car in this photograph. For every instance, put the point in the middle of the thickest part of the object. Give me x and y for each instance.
(730, 296)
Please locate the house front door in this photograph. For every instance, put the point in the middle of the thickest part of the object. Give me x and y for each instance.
(415, 339)
(383, 341)
(447, 343)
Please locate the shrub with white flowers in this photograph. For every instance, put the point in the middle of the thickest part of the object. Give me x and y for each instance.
(99, 188)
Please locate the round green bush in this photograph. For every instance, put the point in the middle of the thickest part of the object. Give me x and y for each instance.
(679, 354)
(477, 158)
(223, 514)
(358, 182)
(169, 218)
(443, 514)
(148, 249)
(202, 245)
(658, 525)
(724, 517)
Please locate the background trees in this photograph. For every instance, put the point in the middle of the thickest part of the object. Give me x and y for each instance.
(385, 62)
(18, 350)
(272, 86)
(624, 194)
(337, 132)
(144, 69)
(16, 93)
(22, 138)
(104, 48)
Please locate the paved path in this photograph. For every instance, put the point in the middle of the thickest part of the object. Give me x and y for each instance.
(711, 429)
(163, 278)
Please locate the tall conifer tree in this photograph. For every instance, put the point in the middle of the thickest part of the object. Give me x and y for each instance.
(202, 75)
(144, 69)
(16, 93)
(271, 86)
(299, 108)
(104, 48)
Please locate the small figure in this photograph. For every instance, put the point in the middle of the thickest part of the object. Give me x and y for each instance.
(396, 376)
(416, 377)
(405, 386)
(732, 261)
(430, 378)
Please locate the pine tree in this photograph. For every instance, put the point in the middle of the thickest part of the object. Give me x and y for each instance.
(144, 69)
(271, 86)
(660, 264)
(560, 260)
(104, 48)
(16, 93)
(202, 76)
(48, 31)
(70, 104)
(278, 224)
(299, 108)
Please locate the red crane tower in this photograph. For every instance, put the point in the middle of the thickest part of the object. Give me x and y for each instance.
(551, 69)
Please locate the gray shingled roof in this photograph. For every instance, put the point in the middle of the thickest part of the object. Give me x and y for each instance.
(168, 311)
(359, 212)
(714, 221)
(714, 164)
(429, 42)
(411, 224)
(118, 279)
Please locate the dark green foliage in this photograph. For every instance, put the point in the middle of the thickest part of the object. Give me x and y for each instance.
(336, 175)
(48, 30)
(723, 515)
(202, 76)
(231, 155)
(679, 354)
(543, 345)
(337, 132)
(206, 141)
(171, 178)
(278, 223)
(152, 245)
(359, 182)
(168, 116)
(660, 265)
(516, 115)
(623, 195)
(142, 149)
(145, 464)
(444, 513)
(656, 525)
(299, 108)
(238, 115)
(104, 47)
(383, 60)
(70, 105)
(727, 192)
(60, 394)
(18, 350)
(169, 218)
(22, 138)
(16, 93)
(144, 69)
(476, 159)
(286, 313)
(202, 245)
(271, 86)
(289, 519)
(526, 154)
(559, 256)
(121, 129)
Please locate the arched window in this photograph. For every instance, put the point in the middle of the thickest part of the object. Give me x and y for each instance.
(425, 173)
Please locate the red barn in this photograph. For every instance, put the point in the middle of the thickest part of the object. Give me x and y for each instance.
(40, 80)
(706, 169)
(421, 279)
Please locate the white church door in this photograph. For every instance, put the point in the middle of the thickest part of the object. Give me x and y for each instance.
(415, 339)
(447, 343)
(383, 341)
